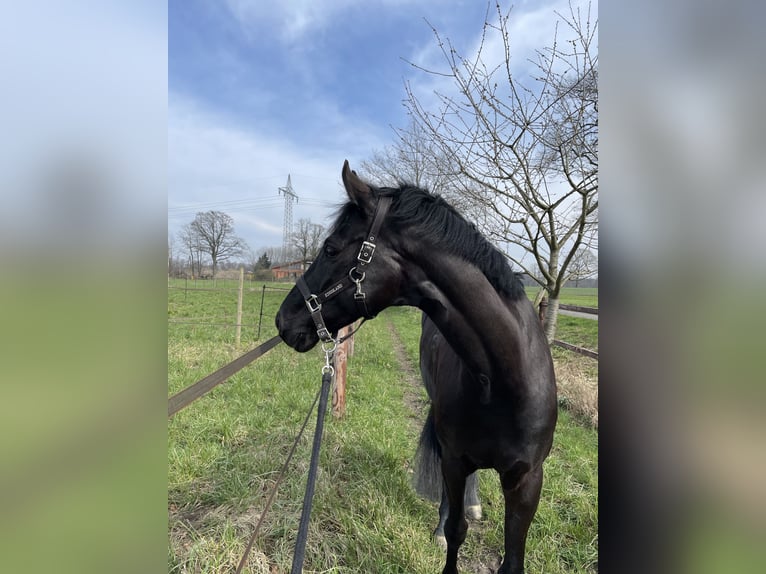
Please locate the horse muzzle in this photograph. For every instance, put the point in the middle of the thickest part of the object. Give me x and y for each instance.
(301, 339)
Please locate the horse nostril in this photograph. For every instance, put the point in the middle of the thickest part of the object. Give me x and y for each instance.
(278, 322)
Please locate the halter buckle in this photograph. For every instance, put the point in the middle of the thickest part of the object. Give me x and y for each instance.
(315, 300)
(324, 334)
(366, 252)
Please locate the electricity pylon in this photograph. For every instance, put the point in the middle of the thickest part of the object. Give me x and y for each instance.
(287, 228)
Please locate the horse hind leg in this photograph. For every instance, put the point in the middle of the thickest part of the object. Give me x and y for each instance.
(456, 526)
(521, 489)
(472, 508)
(472, 502)
(438, 535)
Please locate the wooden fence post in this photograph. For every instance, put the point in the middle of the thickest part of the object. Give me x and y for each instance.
(339, 388)
(239, 304)
(260, 317)
(543, 309)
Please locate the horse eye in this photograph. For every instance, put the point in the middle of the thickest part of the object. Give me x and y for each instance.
(330, 250)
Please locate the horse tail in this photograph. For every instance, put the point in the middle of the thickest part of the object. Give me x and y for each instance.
(428, 470)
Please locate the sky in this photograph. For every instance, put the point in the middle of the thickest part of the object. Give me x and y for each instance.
(258, 91)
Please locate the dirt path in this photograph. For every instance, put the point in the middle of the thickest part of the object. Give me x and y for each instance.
(484, 561)
(579, 314)
(414, 397)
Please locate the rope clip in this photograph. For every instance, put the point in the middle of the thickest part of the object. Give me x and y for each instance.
(329, 350)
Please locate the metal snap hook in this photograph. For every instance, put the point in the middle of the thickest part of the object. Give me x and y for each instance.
(354, 279)
(327, 349)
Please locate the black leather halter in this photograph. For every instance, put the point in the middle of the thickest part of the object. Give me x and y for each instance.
(354, 278)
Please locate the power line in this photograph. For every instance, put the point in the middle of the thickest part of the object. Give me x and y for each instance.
(235, 203)
(243, 204)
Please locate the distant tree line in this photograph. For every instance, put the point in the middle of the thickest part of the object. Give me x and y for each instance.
(209, 244)
(210, 237)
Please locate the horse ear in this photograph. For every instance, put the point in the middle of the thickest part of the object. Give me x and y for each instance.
(358, 191)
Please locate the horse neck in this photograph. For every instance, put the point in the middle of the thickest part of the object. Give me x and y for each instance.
(483, 326)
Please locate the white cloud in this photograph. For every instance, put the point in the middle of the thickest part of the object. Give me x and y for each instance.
(297, 19)
(213, 157)
(292, 20)
(214, 163)
(260, 224)
(531, 27)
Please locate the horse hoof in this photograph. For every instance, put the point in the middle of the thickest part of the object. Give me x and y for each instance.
(473, 512)
(441, 541)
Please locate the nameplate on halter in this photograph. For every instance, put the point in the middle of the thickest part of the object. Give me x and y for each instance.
(366, 252)
(332, 290)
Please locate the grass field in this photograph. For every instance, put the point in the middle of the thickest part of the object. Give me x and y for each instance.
(583, 296)
(198, 311)
(225, 449)
(580, 332)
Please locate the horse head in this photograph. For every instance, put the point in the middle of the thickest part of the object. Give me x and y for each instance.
(356, 273)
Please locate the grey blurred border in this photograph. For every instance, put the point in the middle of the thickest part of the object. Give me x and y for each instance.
(82, 256)
(83, 153)
(682, 271)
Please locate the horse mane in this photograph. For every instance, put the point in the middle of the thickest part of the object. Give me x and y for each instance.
(441, 223)
(438, 221)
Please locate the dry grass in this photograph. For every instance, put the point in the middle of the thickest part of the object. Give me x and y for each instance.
(577, 379)
(213, 540)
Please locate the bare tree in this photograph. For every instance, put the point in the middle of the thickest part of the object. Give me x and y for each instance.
(215, 232)
(175, 261)
(413, 158)
(191, 243)
(307, 239)
(584, 265)
(171, 245)
(525, 151)
(250, 260)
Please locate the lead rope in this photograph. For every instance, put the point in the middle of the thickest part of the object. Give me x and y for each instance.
(282, 474)
(303, 528)
(300, 546)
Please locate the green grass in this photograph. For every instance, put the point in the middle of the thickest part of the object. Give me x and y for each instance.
(583, 296)
(225, 449)
(203, 314)
(578, 331)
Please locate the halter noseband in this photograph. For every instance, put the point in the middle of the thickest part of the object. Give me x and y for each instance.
(354, 278)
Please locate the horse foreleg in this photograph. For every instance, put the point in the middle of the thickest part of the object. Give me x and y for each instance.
(472, 507)
(522, 493)
(472, 502)
(456, 526)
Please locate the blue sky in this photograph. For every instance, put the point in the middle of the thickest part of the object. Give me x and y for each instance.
(259, 90)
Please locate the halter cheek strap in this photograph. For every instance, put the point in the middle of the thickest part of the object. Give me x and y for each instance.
(314, 305)
(355, 276)
(366, 252)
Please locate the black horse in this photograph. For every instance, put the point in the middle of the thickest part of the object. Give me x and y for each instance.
(484, 357)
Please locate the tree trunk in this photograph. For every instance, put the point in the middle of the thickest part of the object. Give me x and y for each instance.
(551, 318)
